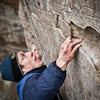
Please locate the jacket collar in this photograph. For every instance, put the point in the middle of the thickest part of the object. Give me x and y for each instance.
(37, 70)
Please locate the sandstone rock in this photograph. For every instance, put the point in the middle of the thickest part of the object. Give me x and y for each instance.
(54, 20)
(11, 40)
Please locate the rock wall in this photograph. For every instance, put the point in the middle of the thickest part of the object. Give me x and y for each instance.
(11, 40)
(55, 20)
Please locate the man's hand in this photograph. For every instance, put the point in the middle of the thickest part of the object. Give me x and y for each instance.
(67, 52)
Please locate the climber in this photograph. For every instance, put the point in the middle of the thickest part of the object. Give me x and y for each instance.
(36, 82)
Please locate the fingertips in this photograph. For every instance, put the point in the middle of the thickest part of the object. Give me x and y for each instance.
(79, 40)
(76, 47)
(76, 40)
(67, 40)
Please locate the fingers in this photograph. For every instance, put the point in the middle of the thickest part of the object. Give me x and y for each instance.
(70, 43)
(66, 44)
(75, 48)
(68, 49)
(73, 43)
(67, 40)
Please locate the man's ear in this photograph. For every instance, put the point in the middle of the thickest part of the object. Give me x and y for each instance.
(19, 55)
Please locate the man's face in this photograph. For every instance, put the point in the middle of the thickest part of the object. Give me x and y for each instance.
(30, 60)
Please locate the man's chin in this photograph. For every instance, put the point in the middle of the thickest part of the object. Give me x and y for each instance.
(41, 63)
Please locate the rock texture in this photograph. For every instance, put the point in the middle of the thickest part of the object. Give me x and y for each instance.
(55, 20)
(11, 40)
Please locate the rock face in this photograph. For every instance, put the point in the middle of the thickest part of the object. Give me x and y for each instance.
(11, 40)
(54, 20)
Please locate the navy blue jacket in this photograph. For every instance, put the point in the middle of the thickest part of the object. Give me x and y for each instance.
(45, 84)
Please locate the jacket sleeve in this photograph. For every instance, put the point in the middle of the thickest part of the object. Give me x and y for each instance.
(47, 85)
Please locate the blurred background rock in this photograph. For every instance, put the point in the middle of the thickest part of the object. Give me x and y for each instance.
(11, 40)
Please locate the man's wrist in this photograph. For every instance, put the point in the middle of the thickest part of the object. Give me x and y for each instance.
(61, 64)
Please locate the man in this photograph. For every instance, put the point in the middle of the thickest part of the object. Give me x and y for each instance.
(36, 82)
